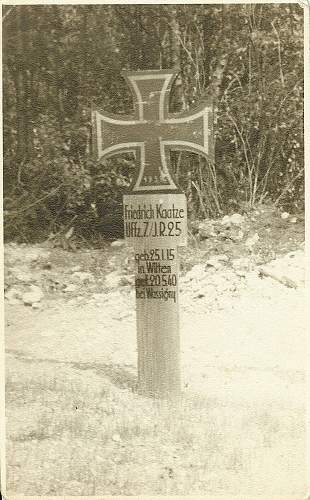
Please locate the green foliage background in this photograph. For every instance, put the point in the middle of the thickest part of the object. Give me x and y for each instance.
(58, 60)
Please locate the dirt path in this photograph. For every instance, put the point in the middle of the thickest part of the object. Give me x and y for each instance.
(251, 332)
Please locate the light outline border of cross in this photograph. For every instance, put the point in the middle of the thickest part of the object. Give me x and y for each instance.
(202, 110)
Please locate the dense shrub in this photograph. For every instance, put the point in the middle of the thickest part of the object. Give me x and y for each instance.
(60, 60)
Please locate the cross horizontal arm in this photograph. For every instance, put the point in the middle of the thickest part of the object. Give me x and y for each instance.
(152, 132)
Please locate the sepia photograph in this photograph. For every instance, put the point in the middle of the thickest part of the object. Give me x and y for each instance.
(154, 339)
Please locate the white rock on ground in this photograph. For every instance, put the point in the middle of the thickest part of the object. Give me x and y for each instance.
(36, 305)
(236, 219)
(241, 263)
(83, 276)
(251, 241)
(118, 243)
(34, 254)
(113, 279)
(196, 272)
(214, 262)
(22, 276)
(75, 269)
(226, 220)
(13, 295)
(35, 295)
(285, 215)
(70, 288)
(205, 229)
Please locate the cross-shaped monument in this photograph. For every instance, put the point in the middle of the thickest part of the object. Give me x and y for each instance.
(155, 217)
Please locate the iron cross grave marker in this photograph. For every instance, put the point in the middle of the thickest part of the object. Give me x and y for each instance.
(155, 215)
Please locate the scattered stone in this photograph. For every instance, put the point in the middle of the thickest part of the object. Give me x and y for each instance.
(47, 266)
(37, 289)
(293, 220)
(231, 233)
(74, 488)
(83, 276)
(75, 269)
(240, 235)
(34, 254)
(113, 279)
(251, 241)
(196, 272)
(220, 257)
(206, 230)
(291, 255)
(100, 296)
(23, 276)
(226, 220)
(116, 438)
(241, 273)
(214, 262)
(70, 288)
(241, 263)
(118, 243)
(285, 215)
(194, 226)
(13, 295)
(127, 280)
(236, 219)
(35, 295)
(36, 305)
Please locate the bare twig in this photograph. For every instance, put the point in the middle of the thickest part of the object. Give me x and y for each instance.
(178, 166)
(279, 52)
(287, 95)
(232, 81)
(200, 199)
(182, 42)
(281, 279)
(214, 192)
(248, 164)
(8, 12)
(288, 186)
(63, 229)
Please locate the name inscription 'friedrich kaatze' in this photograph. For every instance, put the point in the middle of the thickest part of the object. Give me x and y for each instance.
(151, 212)
(159, 217)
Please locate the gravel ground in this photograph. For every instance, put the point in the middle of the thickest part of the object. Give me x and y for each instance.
(74, 423)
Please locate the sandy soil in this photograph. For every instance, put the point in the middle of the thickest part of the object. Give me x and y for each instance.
(241, 425)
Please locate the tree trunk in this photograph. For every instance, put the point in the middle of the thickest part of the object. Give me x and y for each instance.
(19, 85)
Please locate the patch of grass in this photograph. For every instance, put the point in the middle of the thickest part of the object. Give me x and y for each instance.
(73, 432)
